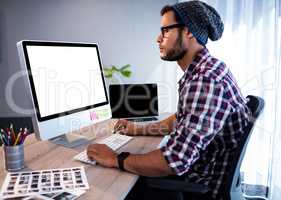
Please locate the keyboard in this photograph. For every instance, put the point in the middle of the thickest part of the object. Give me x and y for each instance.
(115, 141)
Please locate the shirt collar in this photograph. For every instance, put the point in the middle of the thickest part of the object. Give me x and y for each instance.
(199, 57)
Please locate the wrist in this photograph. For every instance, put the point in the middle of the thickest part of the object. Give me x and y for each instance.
(121, 160)
(115, 161)
(152, 129)
(139, 129)
(146, 129)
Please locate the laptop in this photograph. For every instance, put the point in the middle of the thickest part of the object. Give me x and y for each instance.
(134, 102)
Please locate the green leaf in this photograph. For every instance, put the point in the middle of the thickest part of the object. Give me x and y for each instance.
(114, 68)
(107, 72)
(125, 67)
(126, 73)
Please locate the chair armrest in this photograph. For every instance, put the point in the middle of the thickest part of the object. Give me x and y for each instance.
(176, 185)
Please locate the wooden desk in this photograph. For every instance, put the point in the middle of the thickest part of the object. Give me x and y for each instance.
(105, 183)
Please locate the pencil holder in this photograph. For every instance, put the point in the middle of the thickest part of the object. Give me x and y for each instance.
(14, 157)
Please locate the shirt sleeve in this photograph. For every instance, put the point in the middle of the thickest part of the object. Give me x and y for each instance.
(201, 115)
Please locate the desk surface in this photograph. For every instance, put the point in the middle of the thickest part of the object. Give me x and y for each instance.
(105, 183)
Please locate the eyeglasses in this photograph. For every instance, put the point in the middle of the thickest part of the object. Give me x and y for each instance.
(165, 29)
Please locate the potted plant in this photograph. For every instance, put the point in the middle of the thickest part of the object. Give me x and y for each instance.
(114, 74)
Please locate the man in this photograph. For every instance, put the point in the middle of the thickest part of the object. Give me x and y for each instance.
(209, 101)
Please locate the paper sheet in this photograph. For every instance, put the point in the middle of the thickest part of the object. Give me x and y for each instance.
(65, 195)
(18, 184)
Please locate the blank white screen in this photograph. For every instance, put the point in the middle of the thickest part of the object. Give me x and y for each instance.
(65, 78)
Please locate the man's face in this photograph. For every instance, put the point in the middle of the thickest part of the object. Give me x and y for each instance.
(170, 39)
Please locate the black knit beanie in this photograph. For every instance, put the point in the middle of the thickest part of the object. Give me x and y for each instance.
(202, 20)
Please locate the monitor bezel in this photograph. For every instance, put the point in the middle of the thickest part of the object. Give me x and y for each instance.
(31, 82)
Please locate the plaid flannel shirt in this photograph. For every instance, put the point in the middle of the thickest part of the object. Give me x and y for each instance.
(209, 100)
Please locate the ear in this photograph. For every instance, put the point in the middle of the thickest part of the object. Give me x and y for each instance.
(188, 34)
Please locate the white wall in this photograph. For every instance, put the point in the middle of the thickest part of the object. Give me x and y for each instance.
(126, 31)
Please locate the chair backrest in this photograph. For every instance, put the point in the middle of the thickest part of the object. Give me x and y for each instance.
(232, 190)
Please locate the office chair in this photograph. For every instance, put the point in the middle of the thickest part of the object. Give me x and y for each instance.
(232, 187)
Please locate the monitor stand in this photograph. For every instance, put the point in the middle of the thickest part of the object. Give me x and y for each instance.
(82, 136)
(70, 140)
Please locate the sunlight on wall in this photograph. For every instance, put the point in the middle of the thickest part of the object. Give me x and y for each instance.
(250, 54)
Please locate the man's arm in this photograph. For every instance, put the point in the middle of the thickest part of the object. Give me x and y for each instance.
(149, 164)
(163, 127)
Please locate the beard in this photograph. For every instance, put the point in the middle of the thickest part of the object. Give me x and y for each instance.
(177, 52)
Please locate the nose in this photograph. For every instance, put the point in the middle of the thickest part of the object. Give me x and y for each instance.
(159, 38)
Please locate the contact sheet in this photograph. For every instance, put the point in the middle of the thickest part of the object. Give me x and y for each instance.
(44, 181)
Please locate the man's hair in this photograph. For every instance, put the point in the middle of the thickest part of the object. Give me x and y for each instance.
(168, 8)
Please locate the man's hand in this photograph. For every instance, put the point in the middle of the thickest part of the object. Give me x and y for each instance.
(126, 127)
(102, 154)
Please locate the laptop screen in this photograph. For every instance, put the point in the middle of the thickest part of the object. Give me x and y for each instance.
(133, 100)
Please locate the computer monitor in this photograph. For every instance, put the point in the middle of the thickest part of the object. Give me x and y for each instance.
(66, 84)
